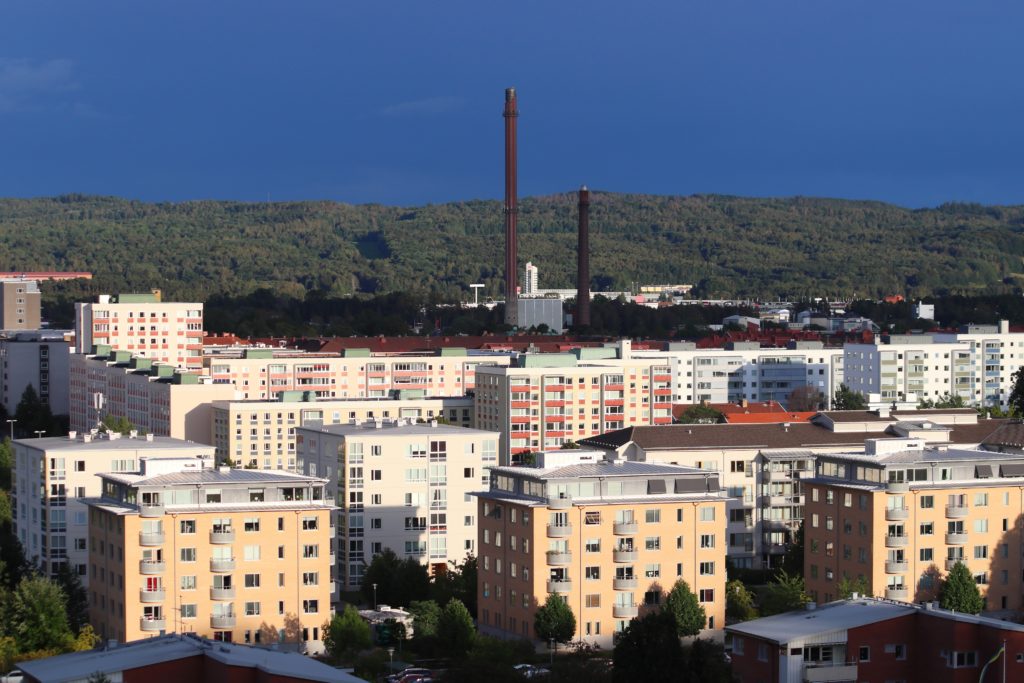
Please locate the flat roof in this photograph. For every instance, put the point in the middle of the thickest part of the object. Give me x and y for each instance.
(388, 428)
(212, 476)
(796, 626)
(124, 443)
(912, 456)
(269, 402)
(604, 469)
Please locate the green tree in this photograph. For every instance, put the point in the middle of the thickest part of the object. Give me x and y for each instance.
(33, 414)
(554, 620)
(426, 615)
(458, 581)
(846, 399)
(346, 634)
(784, 593)
(739, 602)
(700, 414)
(6, 464)
(76, 597)
(959, 592)
(455, 629)
(649, 650)
(686, 610)
(793, 559)
(1016, 400)
(118, 424)
(847, 587)
(705, 662)
(38, 617)
(398, 581)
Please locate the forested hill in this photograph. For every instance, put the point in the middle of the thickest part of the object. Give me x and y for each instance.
(728, 246)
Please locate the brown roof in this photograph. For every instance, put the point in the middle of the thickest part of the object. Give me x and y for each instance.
(1009, 434)
(796, 435)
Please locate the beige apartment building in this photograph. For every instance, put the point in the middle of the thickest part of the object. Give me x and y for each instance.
(53, 476)
(355, 373)
(611, 537)
(19, 304)
(261, 433)
(902, 517)
(232, 555)
(157, 399)
(546, 400)
(144, 326)
(400, 485)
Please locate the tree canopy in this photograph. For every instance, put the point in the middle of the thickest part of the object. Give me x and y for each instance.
(847, 399)
(345, 634)
(784, 593)
(959, 591)
(688, 614)
(455, 629)
(554, 620)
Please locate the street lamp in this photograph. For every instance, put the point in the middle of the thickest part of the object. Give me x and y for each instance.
(11, 422)
(391, 656)
(374, 596)
(551, 649)
(39, 433)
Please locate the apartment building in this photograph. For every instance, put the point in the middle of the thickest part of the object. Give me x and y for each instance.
(354, 373)
(19, 304)
(902, 514)
(867, 639)
(157, 399)
(399, 485)
(38, 359)
(261, 434)
(746, 371)
(977, 364)
(143, 325)
(53, 476)
(610, 537)
(761, 466)
(232, 555)
(546, 400)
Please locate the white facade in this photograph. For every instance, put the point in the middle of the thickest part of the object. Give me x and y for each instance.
(52, 477)
(924, 311)
(530, 281)
(39, 359)
(400, 485)
(165, 332)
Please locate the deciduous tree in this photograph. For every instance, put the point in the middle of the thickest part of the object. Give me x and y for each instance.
(554, 620)
(687, 612)
(959, 592)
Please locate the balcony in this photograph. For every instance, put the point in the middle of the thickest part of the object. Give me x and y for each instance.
(222, 565)
(956, 511)
(150, 567)
(896, 567)
(223, 536)
(956, 539)
(625, 528)
(624, 584)
(624, 611)
(558, 559)
(951, 562)
(222, 593)
(222, 621)
(897, 487)
(151, 510)
(564, 586)
(826, 673)
(559, 503)
(152, 624)
(624, 555)
(897, 541)
(151, 538)
(157, 595)
(897, 593)
(559, 530)
(896, 514)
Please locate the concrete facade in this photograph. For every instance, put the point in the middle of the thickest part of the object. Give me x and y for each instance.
(39, 359)
(20, 304)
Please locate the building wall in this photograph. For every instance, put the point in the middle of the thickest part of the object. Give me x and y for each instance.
(513, 576)
(116, 582)
(349, 377)
(167, 332)
(19, 305)
(41, 362)
(373, 491)
(992, 555)
(262, 433)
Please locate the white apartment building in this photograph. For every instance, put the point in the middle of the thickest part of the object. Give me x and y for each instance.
(157, 399)
(530, 280)
(37, 358)
(976, 364)
(143, 325)
(53, 475)
(399, 485)
(261, 434)
(356, 373)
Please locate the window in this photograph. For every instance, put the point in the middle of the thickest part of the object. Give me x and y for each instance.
(591, 518)
(310, 606)
(252, 580)
(311, 523)
(707, 514)
(958, 660)
(707, 540)
(251, 524)
(188, 583)
(927, 501)
(652, 543)
(593, 545)
(927, 529)
(652, 571)
(188, 611)
(864, 653)
(309, 551)
(652, 516)
(706, 595)
(593, 600)
(897, 650)
(188, 554)
(707, 568)
(252, 609)
(251, 553)
(981, 552)
(310, 578)
(188, 526)
(926, 554)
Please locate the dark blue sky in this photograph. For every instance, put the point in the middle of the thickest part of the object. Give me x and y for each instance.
(911, 102)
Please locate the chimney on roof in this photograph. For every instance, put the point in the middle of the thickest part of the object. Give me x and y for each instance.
(72, 436)
(149, 437)
(744, 403)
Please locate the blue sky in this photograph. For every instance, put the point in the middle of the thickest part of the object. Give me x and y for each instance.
(910, 102)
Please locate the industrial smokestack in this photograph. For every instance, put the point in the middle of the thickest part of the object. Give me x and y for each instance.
(583, 262)
(511, 210)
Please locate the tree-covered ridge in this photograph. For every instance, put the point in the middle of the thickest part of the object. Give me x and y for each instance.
(728, 246)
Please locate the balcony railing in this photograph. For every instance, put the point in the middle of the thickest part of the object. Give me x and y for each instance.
(222, 621)
(151, 567)
(557, 558)
(152, 624)
(151, 538)
(559, 503)
(222, 565)
(897, 593)
(223, 536)
(559, 530)
(896, 514)
(222, 593)
(559, 586)
(901, 541)
(956, 511)
(624, 611)
(157, 595)
(896, 567)
(951, 562)
(624, 584)
(956, 538)
(151, 510)
(625, 528)
(624, 555)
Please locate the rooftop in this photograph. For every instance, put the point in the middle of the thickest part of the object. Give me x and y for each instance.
(912, 456)
(379, 428)
(151, 651)
(604, 469)
(220, 475)
(105, 443)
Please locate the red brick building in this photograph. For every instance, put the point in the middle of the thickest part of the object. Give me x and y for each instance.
(868, 640)
(184, 658)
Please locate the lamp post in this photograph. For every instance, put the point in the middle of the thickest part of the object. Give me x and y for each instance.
(11, 422)
(375, 597)
(551, 649)
(391, 657)
(39, 433)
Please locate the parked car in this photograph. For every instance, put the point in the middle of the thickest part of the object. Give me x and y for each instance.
(401, 675)
(531, 671)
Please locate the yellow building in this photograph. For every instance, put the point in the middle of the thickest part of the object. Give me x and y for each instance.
(901, 516)
(261, 433)
(234, 555)
(610, 537)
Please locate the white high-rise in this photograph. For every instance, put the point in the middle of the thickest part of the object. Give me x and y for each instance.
(530, 280)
